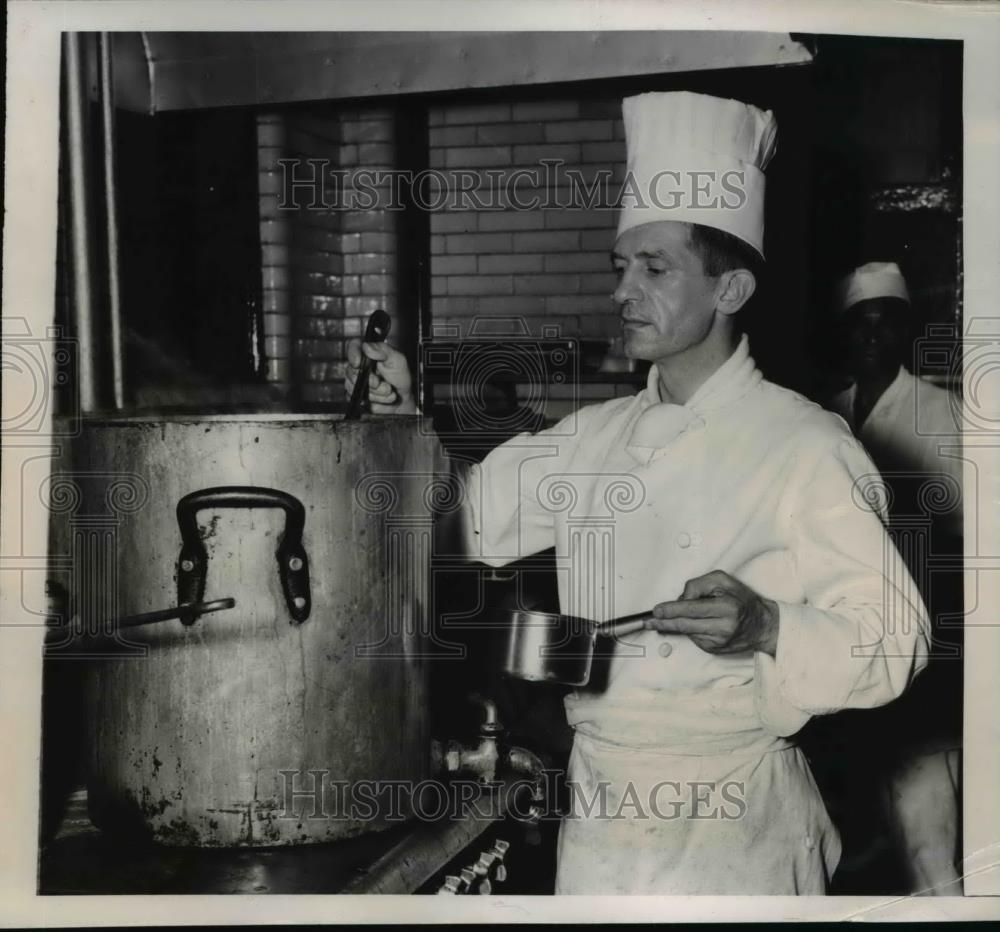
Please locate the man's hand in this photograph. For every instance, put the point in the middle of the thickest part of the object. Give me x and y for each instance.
(390, 387)
(721, 616)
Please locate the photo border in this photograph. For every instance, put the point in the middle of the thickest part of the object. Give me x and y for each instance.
(33, 52)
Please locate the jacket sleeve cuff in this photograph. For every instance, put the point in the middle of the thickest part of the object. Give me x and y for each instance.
(777, 677)
(806, 676)
(777, 715)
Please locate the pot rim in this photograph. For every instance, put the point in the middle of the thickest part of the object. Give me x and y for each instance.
(526, 618)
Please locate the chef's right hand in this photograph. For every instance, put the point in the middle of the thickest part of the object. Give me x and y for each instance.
(390, 386)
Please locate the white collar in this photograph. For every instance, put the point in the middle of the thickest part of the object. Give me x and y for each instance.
(731, 381)
(661, 422)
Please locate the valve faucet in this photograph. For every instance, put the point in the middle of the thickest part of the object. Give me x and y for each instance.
(481, 760)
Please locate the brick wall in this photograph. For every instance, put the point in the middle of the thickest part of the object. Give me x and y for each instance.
(324, 271)
(495, 268)
(548, 266)
(545, 267)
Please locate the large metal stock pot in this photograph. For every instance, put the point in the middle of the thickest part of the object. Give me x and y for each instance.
(320, 529)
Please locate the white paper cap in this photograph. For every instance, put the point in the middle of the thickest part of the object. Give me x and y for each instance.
(672, 138)
(874, 280)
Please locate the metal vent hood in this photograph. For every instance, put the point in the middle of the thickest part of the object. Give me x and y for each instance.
(160, 71)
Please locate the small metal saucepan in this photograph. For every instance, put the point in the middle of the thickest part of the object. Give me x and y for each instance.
(549, 648)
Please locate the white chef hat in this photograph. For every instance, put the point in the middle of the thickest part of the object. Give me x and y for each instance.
(874, 280)
(698, 159)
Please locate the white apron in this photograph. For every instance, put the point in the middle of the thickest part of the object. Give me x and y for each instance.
(734, 823)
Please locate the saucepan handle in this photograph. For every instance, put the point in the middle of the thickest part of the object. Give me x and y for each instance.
(293, 564)
(624, 625)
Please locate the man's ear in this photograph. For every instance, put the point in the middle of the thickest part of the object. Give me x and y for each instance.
(733, 290)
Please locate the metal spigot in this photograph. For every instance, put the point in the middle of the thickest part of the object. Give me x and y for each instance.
(491, 720)
(481, 760)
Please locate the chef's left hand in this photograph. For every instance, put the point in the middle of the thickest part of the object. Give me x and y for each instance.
(721, 615)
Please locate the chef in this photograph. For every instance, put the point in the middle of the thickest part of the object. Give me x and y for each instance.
(912, 430)
(736, 508)
(906, 424)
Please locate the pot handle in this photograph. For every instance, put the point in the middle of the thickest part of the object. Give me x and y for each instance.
(293, 564)
(625, 625)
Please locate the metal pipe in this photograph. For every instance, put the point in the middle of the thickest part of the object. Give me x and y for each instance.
(429, 846)
(111, 219)
(521, 760)
(176, 611)
(413, 233)
(83, 307)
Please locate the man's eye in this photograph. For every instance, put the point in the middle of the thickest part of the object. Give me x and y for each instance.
(655, 270)
(619, 271)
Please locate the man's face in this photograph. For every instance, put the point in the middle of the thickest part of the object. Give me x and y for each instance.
(665, 301)
(876, 337)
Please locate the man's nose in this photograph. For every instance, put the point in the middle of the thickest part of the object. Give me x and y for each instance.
(625, 290)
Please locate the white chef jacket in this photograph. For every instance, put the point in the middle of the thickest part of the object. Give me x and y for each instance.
(638, 496)
(914, 427)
